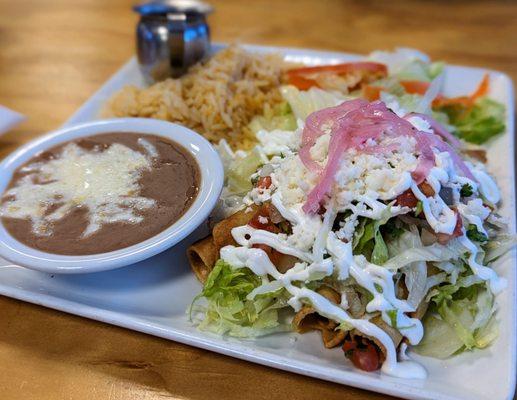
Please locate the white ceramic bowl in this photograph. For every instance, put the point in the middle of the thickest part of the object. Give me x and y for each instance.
(212, 176)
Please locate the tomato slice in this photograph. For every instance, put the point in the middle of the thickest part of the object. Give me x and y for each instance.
(415, 87)
(304, 78)
(406, 199)
(372, 93)
(419, 87)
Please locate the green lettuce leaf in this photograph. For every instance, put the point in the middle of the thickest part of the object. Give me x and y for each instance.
(498, 246)
(369, 241)
(305, 102)
(279, 117)
(240, 171)
(228, 311)
(440, 340)
(478, 123)
(408, 64)
(461, 318)
(419, 70)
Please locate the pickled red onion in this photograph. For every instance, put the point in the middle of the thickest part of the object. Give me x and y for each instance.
(315, 126)
(351, 124)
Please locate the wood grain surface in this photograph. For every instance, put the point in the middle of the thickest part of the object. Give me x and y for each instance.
(54, 54)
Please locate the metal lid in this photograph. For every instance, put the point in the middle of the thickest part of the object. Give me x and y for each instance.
(162, 7)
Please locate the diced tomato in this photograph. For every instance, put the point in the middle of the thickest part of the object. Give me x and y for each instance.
(366, 359)
(406, 199)
(258, 222)
(262, 219)
(364, 356)
(264, 182)
(444, 238)
(459, 226)
(304, 78)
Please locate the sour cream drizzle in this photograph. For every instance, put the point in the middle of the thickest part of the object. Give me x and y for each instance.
(437, 213)
(258, 261)
(248, 236)
(497, 284)
(487, 186)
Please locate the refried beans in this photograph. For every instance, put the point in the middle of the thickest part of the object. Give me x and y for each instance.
(99, 193)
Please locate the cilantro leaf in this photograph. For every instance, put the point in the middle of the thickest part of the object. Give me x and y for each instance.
(466, 190)
(475, 235)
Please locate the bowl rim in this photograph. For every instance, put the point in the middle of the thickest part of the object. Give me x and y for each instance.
(211, 183)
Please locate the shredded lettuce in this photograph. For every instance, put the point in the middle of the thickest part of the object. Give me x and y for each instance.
(498, 246)
(240, 171)
(405, 101)
(462, 319)
(408, 64)
(434, 252)
(415, 273)
(419, 70)
(368, 239)
(279, 117)
(227, 155)
(305, 102)
(478, 123)
(412, 103)
(228, 309)
(440, 340)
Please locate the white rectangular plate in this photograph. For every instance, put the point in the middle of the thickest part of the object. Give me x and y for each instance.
(152, 296)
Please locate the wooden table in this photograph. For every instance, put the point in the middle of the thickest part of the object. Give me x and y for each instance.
(55, 54)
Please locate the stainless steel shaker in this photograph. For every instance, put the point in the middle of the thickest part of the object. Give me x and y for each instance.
(171, 36)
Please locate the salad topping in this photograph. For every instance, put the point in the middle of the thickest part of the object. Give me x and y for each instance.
(368, 218)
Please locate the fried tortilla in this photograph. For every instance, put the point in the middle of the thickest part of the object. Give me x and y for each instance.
(203, 254)
(202, 257)
(307, 320)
